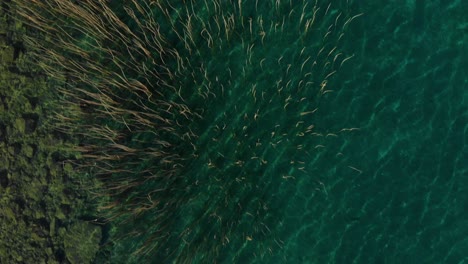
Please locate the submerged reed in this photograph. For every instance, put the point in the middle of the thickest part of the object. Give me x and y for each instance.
(177, 107)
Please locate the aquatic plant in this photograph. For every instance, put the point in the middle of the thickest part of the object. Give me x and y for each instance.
(189, 112)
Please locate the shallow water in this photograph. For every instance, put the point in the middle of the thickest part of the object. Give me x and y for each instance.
(382, 175)
(406, 89)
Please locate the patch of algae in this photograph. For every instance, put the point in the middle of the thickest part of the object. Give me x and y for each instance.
(42, 210)
(80, 242)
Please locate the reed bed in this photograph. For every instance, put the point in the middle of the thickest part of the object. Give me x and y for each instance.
(176, 106)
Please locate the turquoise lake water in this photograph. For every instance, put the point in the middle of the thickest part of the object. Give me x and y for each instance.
(407, 91)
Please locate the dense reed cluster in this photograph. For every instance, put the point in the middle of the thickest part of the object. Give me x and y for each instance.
(177, 107)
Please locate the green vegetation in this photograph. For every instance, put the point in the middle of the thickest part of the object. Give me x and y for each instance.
(39, 198)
